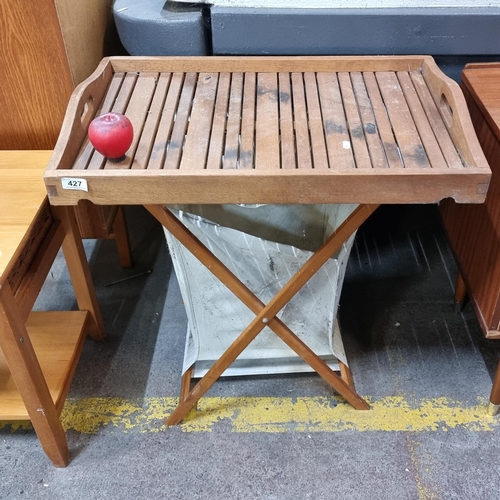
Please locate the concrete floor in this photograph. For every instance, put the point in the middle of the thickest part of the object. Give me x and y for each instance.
(426, 371)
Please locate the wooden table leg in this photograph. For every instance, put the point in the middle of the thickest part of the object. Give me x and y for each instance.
(265, 314)
(27, 374)
(494, 405)
(460, 293)
(120, 234)
(79, 270)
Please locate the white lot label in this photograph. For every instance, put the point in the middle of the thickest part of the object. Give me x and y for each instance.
(74, 183)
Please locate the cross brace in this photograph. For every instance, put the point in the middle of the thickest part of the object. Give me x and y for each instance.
(265, 314)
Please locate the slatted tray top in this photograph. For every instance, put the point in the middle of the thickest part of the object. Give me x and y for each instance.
(272, 130)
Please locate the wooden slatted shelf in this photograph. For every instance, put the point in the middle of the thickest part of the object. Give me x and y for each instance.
(274, 130)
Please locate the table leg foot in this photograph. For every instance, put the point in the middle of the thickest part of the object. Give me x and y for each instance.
(186, 383)
(493, 409)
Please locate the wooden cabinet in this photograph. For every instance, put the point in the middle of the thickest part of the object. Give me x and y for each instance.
(474, 230)
(35, 77)
(48, 48)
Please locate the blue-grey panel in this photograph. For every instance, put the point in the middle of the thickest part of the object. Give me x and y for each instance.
(146, 28)
(436, 31)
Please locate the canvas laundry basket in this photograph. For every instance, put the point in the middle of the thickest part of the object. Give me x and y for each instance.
(264, 246)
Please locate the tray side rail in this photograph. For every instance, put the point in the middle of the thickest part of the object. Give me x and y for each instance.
(82, 108)
(263, 64)
(451, 104)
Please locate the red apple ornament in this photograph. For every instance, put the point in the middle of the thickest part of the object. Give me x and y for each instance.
(111, 134)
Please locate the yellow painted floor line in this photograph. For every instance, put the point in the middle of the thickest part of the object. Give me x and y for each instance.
(307, 414)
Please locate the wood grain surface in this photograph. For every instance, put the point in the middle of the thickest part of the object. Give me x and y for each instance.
(35, 77)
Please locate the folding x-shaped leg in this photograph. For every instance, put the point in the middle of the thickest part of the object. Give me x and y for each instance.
(265, 314)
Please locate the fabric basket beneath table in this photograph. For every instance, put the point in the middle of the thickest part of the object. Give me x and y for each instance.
(264, 246)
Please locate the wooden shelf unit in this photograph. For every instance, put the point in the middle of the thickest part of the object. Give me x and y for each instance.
(39, 350)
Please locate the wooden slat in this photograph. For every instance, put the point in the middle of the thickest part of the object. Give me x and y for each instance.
(338, 142)
(200, 124)
(410, 145)
(87, 149)
(216, 147)
(267, 154)
(383, 124)
(112, 93)
(301, 127)
(424, 128)
(247, 149)
(97, 161)
(316, 130)
(448, 149)
(375, 147)
(233, 122)
(166, 125)
(125, 93)
(146, 141)
(355, 126)
(137, 111)
(176, 143)
(287, 143)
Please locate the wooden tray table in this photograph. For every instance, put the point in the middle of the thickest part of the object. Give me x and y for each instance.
(216, 130)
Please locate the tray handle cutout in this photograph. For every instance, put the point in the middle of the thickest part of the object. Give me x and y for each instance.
(446, 111)
(87, 112)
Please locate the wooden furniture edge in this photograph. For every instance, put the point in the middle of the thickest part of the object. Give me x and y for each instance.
(283, 186)
(482, 65)
(44, 206)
